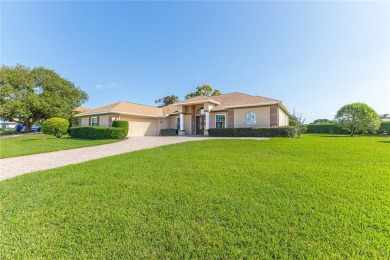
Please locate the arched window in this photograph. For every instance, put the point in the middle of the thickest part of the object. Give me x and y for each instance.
(250, 118)
(200, 111)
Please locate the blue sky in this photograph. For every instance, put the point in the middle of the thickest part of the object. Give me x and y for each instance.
(314, 56)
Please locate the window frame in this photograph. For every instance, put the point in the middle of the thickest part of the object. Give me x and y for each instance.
(91, 123)
(253, 119)
(216, 122)
(177, 123)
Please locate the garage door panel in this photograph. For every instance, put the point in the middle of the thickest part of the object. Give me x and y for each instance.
(142, 127)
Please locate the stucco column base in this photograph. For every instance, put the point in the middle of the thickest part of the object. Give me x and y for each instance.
(206, 132)
(182, 132)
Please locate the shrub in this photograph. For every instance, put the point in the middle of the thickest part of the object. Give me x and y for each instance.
(325, 129)
(168, 132)
(121, 124)
(384, 128)
(285, 131)
(55, 126)
(98, 132)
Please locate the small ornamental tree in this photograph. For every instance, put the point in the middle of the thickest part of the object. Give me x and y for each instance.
(358, 117)
(55, 126)
(298, 122)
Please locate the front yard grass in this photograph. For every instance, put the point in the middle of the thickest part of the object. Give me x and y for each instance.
(40, 143)
(314, 197)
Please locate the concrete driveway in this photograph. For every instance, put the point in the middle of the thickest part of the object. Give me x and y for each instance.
(15, 166)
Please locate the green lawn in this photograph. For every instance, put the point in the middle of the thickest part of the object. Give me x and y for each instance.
(313, 197)
(40, 143)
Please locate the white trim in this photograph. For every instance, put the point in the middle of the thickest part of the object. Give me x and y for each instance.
(181, 122)
(207, 120)
(216, 119)
(248, 105)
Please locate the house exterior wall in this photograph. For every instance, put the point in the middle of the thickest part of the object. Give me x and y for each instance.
(262, 117)
(104, 120)
(84, 121)
(283, 118)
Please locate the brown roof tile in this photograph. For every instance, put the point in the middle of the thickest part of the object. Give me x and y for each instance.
(238, 99)
(127, 108)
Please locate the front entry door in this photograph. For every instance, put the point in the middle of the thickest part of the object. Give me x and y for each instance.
(200, 125)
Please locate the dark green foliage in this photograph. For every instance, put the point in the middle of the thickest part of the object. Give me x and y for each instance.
(168, 132)
(325, 129)
(385, 128)
(55, 126)
(29, 95)
(322, 121)
(293, 123)
(120, 123)
(98, 132)
(119, 130)
(167, 100)
(285, 131)
(204, 90)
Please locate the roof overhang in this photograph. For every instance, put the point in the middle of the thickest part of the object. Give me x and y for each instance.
(247, 105)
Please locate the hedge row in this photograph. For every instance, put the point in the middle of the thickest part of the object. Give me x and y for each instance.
(97, 132)
(385, 128)
(325, 129)
(118, 130)
(168, 132)
(335, 129)
(285, 131)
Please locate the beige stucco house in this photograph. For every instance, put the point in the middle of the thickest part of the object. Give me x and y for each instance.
(192, 116)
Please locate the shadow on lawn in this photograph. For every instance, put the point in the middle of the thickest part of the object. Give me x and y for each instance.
(386, 142)
(343, 136)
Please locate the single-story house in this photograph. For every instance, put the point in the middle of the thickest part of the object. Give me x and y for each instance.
(192, 116)
(4, 124)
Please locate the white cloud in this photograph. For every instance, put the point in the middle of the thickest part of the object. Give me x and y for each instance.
(109, 85)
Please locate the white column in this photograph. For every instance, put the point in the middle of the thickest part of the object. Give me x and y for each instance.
(206, 130)
(207, 120)
(181, 122)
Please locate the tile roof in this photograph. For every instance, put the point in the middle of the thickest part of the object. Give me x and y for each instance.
(222, 102)
(81, 109)
(127, 108)
(238, 99)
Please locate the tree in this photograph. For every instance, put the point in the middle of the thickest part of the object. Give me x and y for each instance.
(322, 121)
(167, 100)
(55, 126)
(298, 122)
(29, 95)
(204, 90)
(357, 117)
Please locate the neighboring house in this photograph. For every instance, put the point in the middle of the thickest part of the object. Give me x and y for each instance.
(7, 124)
(192, 116)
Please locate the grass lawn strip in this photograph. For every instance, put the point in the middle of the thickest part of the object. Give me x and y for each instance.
(313, 197)
(40, 143)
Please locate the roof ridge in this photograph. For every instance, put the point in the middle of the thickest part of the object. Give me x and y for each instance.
(139, 104)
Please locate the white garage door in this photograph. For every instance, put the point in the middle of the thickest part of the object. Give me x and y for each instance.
(142, 127)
